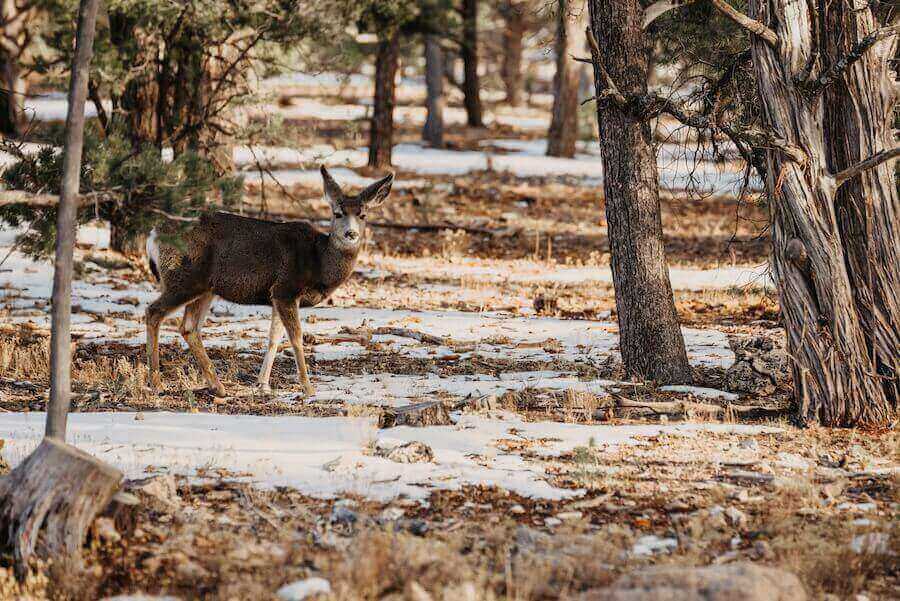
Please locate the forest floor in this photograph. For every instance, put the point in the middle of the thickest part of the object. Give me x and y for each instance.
(484, 286)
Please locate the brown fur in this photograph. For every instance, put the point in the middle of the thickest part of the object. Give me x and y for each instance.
(255, 262)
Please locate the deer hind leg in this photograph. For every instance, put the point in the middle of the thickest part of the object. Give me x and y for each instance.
(287, 311)
(166, 304)
(276, 333)
(194, 316)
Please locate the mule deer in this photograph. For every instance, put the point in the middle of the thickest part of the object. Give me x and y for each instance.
(255, 262)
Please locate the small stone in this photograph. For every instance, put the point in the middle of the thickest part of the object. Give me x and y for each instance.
(343, 515)
(188, 569)
(762, 550)
(417, 527)
(392, 514)
(517, 509)
(159, 492)
(304, 589)
(749, 444)
(736, 517)
(410, 452)
(567, 516)
(139, 416)
(552, 522)
(106, 530)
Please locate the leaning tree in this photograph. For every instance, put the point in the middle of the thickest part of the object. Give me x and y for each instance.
(49, 500)
(827, 89)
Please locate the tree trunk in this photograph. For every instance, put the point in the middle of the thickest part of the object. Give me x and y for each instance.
(433, 132)
(12, 85)
(381, 132)
(650, 339)
(564, 123)
(471, 85)
(12, 97)
(836, 244)
(513, 14)
(49, 500)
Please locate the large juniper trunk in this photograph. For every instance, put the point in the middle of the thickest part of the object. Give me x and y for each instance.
(381, 133)
(650, 339)
(836, 238)
(564, 122)
(471, 86)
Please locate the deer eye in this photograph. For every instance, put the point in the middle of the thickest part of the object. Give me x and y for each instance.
(338, 214)
(362, 215)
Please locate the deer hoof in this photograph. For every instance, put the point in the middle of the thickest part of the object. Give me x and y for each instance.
(264, 389)
(308, 390)
(218, 391)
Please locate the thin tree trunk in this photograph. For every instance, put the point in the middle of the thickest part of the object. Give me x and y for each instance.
(471, 85)
(381, 132)
(433, 132)
(650, 339)
(514, 15)
(836, 244)
(564, 122)
(60, 335)
(12, 97)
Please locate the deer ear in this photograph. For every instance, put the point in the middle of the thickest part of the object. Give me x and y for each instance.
(377, 193)
(332, 189)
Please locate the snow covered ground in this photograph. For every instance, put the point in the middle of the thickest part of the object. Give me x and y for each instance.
(332, 456)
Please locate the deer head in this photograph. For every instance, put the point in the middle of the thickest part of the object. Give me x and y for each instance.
(348, 221)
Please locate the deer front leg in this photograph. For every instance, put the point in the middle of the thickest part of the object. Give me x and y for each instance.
(287, 311)
(194, 316)
(276, 332)
(156, 313)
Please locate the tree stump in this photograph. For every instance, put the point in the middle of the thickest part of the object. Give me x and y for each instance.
(49, 501)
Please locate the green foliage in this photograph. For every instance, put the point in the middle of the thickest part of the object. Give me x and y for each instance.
(131, 189)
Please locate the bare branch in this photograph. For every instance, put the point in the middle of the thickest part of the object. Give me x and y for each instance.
(657, 9)
(855, 53)
(751, 25)
(870, 163)
(611, 90)
(14, 197)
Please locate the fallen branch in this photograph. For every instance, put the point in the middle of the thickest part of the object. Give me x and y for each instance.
(727, 411)
(413, 334)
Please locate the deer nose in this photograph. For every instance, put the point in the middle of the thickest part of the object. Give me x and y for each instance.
(351, 235)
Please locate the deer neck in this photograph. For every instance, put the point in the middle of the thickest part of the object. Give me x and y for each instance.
(338, 261)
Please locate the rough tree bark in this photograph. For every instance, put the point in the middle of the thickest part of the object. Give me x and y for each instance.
(836, 240)
(650, 339)
(433, 131)
(515, 25)
(563, 133)
(50, 499)
(14, 38)
(471, 85)
(381, 132)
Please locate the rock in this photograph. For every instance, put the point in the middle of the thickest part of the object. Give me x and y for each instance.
(417, 527)
(517, 509)
(736, 517)
(652, 544)
(749, 444)
(567, 516)
(429, 413)
(158, 492)
(304, 589)
(341, 514)
(760, 364)
(188, 569)
(392, 514)
(732, 582)
(410, 452)
(105, 528)
(552, 522)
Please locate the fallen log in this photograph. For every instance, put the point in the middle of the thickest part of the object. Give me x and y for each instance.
(687, 408)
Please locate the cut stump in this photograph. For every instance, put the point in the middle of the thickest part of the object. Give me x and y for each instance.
(429, 413)
(49, 501)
